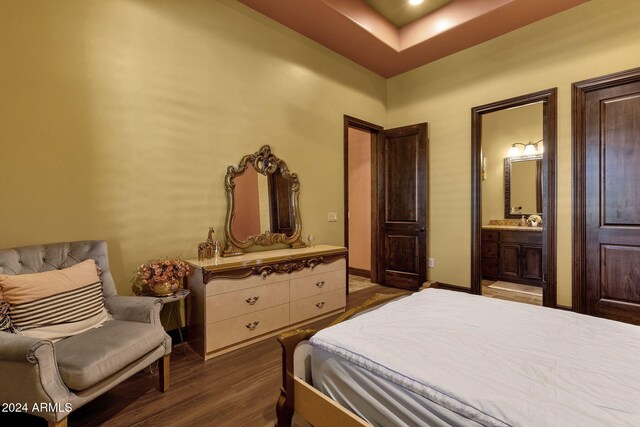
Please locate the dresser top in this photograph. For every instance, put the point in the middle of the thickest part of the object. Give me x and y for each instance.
(257, 258)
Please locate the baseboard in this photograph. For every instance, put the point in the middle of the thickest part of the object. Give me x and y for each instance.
(361, 272)
(563, 307)
(448, 287)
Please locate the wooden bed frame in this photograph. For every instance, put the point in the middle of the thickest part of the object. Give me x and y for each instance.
(297, 393)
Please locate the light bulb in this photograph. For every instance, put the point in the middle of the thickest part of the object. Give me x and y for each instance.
(415, 2)
(514, 151)
(529, 149)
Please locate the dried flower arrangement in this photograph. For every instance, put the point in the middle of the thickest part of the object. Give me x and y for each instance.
(157, 272)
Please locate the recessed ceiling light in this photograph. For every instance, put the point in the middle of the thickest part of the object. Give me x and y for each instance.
(415, 2)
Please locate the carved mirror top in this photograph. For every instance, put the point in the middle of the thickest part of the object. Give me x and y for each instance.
(256, 204)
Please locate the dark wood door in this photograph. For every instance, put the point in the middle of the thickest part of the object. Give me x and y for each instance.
(402, 171)
(531, 262)
(612, 184)
(509, 261)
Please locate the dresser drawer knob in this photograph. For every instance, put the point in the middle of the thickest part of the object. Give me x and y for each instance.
(252, 300)
(251, 325)
(320, 284)
(320, 304)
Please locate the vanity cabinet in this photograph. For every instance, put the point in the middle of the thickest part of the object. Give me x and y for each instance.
(240, 300)
(512, 255)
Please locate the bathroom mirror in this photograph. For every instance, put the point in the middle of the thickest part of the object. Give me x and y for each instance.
(522, 186)
(262, 203)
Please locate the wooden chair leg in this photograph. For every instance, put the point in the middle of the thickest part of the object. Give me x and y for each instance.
(163, 372)
(61, 423)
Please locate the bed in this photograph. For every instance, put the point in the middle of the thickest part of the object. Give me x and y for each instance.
(442, 358)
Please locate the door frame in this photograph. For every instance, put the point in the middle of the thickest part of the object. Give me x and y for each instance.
(579, 91)
(549, 99)
(377, 132)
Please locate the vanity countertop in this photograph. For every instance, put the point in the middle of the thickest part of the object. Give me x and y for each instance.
(511, 227)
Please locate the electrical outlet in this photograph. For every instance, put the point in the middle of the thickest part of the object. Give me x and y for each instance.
(332, 216)
(432, 262)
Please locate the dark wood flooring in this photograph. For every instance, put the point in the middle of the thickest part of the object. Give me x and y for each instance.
(236, 389)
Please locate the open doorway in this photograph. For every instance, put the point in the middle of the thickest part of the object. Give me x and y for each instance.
(513, 199)
(396, 194)
(360, 212)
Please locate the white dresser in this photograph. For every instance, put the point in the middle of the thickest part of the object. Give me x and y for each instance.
(239, 300)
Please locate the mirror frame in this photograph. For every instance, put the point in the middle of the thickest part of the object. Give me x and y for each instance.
(549, 97)
(507, 184)
(266, 163)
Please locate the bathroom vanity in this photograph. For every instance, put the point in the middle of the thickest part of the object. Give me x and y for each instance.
(512, 254)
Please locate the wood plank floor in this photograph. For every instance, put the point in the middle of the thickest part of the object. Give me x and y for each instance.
(236, 389)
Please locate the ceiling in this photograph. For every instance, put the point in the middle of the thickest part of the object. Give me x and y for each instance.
(364, 30)
(401, 13)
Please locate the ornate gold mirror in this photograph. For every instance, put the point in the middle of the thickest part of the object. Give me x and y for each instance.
(262, 198)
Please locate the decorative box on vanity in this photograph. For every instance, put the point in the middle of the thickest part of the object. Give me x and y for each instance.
(237, 301)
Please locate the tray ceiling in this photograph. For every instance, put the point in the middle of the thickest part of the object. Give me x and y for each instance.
(357, 31)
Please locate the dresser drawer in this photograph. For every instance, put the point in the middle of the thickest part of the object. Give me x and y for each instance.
(489, 250)
(304, 287)
(490, 235)
(340, 264)
(232, 304)
(245, 327)
(221, 286)
(317, 305)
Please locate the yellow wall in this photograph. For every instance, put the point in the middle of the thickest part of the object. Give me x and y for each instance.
(593, 39)
(118, 120)
(500, 130)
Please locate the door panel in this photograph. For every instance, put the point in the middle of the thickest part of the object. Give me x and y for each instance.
(402, 175)
(532, 262)
(621, 273)
(612, 180)
(402, 168)
(621, 154)
(509, 261)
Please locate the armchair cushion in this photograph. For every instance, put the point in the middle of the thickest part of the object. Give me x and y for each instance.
(55, 304)
(85, 359)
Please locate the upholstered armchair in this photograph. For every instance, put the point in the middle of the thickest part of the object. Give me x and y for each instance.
(61, 376)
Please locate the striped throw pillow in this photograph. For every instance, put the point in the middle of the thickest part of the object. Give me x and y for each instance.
(5, 321)
(56, 304)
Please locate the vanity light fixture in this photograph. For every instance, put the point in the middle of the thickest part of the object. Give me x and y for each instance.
(415, 2)
(528, 148)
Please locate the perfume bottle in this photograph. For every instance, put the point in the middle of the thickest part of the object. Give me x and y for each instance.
(311, 238)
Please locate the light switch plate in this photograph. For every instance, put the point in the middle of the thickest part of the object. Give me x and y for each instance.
(332, 216)
(432, 262)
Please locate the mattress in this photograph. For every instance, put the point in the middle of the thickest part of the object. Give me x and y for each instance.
(491, 361)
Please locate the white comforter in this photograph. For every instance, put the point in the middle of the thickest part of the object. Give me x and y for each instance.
(499, 362)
